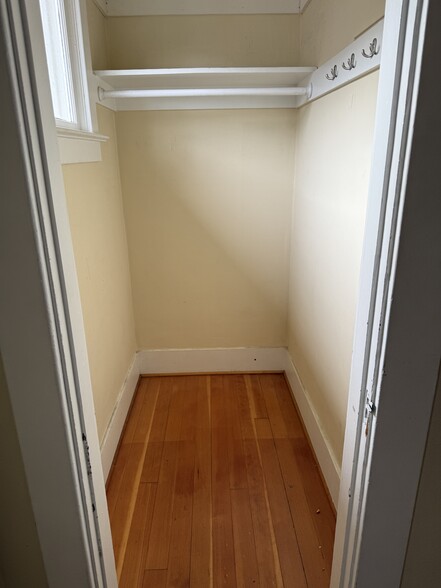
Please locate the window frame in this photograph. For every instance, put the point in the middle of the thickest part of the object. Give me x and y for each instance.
(79, 142)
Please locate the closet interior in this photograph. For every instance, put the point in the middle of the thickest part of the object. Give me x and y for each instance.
(221, 227)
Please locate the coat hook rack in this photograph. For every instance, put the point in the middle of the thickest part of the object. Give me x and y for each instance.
(350, 63)
(374, 49)
(333, 73)
(347, 66)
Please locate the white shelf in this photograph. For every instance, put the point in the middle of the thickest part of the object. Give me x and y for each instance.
(238, 87)
(203, 88)
(178, 7)
(205, 77)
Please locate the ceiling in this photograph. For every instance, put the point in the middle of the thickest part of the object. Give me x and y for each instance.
(183, 7)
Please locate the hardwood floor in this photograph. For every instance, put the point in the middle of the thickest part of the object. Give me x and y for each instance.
(215, 484)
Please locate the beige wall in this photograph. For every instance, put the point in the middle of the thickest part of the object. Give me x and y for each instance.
(207, 198)
(21, 563)
(334, 141)
(423, 565)
(94, 200)
(327, 26)
(203, 41)
(97, 25)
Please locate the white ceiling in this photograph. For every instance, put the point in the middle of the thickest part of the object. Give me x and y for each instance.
(163, 7)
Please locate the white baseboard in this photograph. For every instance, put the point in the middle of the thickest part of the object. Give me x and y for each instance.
(239, 359)
(236, 359)
(118, 418)
(323, 451)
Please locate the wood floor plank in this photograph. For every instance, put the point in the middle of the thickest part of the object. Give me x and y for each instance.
(245, 410)
(232, 386)
(287, 546)
(174, 422)
(116, 478)
(201, 544)
(133, 416)
(224, 573)
(293, 423)
(257, 401)
(237, 464)
(122, 513)
(154, 579)
(152, 462)
(188, 385)
(131, 495)
(159, 543)
(133, 570)
(263, 429)
(269, 384)
(178, 568)
(150, 394)
(247, 573)
(266, 549)
(160, 418)
(321, 511)
(317, 570)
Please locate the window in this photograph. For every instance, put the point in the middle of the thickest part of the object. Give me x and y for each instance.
(64, 45)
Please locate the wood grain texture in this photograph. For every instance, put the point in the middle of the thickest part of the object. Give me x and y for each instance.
(224, 573)
(214, 484)
(247, 571)
(133, 570)
(201, 536)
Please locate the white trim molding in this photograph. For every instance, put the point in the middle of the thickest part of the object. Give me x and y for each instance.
(178, 7)
(79, 146)
(115, 427)
(102, 6)
(239, 359)
(303, 5)
(325, 456)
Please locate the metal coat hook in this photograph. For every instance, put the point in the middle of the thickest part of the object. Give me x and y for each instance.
(373, 48)
(350, 64)
(333, 73)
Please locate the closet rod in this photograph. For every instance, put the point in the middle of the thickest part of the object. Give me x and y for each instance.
(191, 92)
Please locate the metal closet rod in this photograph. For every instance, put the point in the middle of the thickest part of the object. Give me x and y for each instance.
(200, 92)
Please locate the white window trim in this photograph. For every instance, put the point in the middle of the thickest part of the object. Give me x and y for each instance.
(79, 146)
(76, 23)
(83, 144)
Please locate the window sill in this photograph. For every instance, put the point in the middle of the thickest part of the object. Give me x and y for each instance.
(79, 146)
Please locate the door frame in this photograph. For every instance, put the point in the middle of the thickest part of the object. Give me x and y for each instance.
(42, 333)
(397, 340)
(42, 336)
